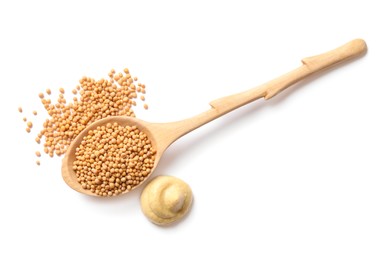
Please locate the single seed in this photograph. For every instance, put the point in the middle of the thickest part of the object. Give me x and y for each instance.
(38, 154)
(74, 91)
(35, 113)
(146, 106)
(20, 109)
(62, 91)
(28, 130)
(29, 124)
(142, 98)
(24, 119)
(41, 95)
(38, 162)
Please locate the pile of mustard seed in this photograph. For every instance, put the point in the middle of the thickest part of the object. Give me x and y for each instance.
(92, 100)
(112, 159)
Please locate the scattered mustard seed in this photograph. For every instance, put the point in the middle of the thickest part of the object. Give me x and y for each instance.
(20, 109)
(38, 154)
(35, 113)
(93, 100)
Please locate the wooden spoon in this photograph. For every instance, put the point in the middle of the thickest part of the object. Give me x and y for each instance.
(162, 135)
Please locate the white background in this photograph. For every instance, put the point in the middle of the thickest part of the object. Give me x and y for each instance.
(305, 175)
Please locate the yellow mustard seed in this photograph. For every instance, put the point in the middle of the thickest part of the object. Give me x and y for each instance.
(96, 99)
(122, 163)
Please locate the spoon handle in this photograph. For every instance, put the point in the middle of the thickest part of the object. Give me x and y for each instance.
(309, 66)
(224, 105)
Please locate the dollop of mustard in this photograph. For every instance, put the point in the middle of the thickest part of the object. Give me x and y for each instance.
(166, 199)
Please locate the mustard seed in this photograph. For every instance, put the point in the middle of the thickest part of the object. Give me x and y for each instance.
(146, 106)
(93, 99)
(38, 162)
(20, 109)
(24, 119)
(35, 113)
(38, 154)
(129, 155)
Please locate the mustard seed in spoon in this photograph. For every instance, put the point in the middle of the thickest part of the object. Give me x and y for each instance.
(112, 159)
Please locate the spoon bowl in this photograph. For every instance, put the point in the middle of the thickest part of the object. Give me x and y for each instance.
(69, 174)
(162, 135)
